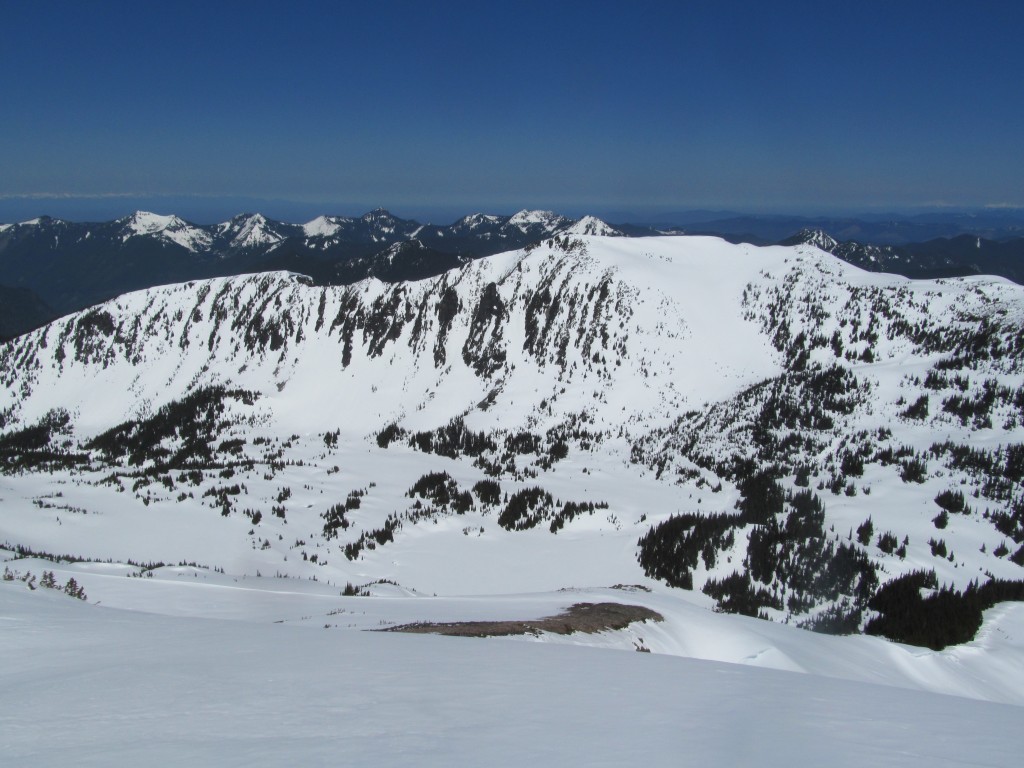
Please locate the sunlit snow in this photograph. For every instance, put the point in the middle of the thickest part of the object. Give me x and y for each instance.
(228, 641)
(168, 227)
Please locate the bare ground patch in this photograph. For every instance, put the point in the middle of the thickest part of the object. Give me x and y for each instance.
(582, 617)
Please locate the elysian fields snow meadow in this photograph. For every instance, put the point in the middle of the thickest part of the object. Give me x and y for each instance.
(806, 475)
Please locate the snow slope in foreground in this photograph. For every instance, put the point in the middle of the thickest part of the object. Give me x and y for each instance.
(89, 686)
(988, 668)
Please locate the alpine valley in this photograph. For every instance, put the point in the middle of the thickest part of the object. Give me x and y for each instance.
(758, 455)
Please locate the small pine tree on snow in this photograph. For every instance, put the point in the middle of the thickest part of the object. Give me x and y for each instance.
(73, 589)
(865, 531)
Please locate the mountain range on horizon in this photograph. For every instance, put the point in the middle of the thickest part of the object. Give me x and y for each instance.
(72, 265)
(58, 266)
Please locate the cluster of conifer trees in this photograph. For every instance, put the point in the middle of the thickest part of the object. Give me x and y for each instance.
(943, 616)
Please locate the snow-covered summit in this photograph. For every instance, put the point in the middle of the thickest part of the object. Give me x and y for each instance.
(249, 230)
(324, 226)
(591, 225)
(379, 216)
(475, 221)
(483, 348)
(663, 303)
(172, 228)
(36, 222)
(816, 237)
(531, 221)
(382, 226)
(39, 221)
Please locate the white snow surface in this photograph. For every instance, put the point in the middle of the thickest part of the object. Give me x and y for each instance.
(249, 231)
(168, 227)
(548, 221)
(591, 225)
(670, 303)
(242, 650)
(91, 686)
(323, 226)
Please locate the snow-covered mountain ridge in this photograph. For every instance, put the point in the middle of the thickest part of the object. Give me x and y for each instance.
(942, 257)
(572, 317)
(74, 265)
(771, 428)
(254, 229)
(170, 228)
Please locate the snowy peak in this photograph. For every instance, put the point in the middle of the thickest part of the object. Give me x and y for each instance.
(541, 224)
(476, 221)
(29, 223)
(380, 217)
(381, 226)
(881, 258)
(815, 237)
(538, 222)
(564, 312)
(325, 226)
(146, 223)
(251, 230)
(591, 225)
(482, 227)
(170, 228)
(39, 221)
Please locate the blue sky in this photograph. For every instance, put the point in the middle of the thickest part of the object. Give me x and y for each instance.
(443, 108)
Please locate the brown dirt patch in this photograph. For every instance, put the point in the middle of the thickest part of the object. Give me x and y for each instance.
(582, 617)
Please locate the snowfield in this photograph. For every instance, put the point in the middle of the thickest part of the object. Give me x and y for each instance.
(216, 462)
(93, 686)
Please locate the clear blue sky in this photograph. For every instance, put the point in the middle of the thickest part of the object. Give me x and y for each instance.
(449, 107)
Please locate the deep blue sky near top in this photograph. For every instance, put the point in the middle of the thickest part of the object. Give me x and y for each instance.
(438, 109)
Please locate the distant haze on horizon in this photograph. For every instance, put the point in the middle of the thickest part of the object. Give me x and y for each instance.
(626, 112)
